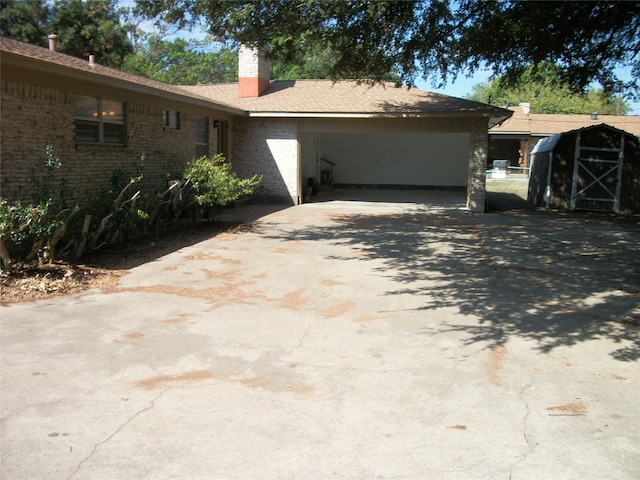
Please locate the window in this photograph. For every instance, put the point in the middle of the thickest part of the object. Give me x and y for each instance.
(202, 136)
(171, 119)
(99, 121)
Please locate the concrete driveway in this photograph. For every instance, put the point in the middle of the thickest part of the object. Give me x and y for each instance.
(397, 338)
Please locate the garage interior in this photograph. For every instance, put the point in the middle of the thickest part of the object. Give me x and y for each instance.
(384, 160)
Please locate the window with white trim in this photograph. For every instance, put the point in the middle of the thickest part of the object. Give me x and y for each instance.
(99, 121)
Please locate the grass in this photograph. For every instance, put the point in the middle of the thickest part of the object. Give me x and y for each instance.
(507, 194)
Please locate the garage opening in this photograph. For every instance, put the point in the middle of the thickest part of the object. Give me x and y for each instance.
(385, 160)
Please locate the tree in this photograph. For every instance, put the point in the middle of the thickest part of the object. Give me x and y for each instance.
(182, 62)
(83, 27)
(437, 39)
(547, 92)
(25, 20)
(91, 27)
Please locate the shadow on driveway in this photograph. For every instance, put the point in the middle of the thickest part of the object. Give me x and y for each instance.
(555, 278)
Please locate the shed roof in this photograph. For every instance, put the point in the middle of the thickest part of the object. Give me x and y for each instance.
(547, 144)
(544, 124)
(346, 98)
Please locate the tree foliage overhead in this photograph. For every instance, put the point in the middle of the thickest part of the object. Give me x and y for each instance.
(89, 27)
(436, 39)
(543, 87)
(181, 62)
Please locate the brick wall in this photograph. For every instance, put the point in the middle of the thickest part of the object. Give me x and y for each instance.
(268, 148)
(252, 63)
(33, 117)
(476, 188)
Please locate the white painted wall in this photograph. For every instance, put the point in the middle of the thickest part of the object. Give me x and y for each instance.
(430, 159)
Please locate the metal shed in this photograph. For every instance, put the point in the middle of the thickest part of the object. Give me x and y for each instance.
(593, 168)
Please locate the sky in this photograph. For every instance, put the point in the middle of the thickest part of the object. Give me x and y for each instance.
(461, 87)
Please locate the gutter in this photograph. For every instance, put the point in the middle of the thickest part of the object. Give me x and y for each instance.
(267, 114)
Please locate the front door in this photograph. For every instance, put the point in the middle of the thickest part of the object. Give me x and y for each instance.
(597, 174)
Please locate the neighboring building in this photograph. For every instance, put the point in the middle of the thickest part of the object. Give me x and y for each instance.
(292, 132)
(593, 168)
(514, 139)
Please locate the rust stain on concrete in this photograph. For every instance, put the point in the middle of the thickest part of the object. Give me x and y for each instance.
(293, 300)
(331, 283)
(228, 292)
(494, 364)
(255, 382)
(170, 268)
(291, 246)
(570, 409)
(179, 319)
(136, 335)
(173, 380)
(338, 309)
(458, 427)
(201, 256)
(301, 390)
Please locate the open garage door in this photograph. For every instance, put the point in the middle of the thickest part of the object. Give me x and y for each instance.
(388, 159)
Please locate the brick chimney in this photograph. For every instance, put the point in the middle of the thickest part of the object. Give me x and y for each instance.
(253, 71)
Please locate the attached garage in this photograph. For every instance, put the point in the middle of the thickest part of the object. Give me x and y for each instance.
(359, 134)
(390, 159)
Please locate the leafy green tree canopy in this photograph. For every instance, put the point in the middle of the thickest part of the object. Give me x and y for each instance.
(89, 27)
(543, 87)
(181, 62)
(436, 39)
(25, 20)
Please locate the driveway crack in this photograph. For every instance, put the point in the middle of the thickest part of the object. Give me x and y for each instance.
(114, 433)
(530, 446)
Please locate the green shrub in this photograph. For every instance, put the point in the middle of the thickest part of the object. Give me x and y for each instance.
(26, 232)
(214, 184)
(121, 213)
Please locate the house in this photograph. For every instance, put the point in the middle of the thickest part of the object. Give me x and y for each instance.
(514, 139)
(294, 133)
(592, 168)
(101, 122)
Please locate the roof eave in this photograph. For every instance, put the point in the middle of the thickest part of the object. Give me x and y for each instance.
(46, 67)
(284, 114)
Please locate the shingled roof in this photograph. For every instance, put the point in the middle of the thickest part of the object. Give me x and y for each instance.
(542, 125)
(345, 98)
(296, 98)
(49, 62)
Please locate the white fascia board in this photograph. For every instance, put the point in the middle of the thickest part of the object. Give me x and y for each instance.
(254, 114)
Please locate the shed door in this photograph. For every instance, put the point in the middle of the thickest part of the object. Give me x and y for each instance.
(597, 175)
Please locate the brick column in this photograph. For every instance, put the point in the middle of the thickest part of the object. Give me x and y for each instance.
(476, 187)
